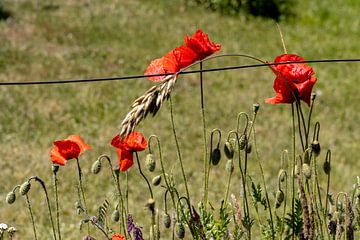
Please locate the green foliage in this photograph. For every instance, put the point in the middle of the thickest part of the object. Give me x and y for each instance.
(295, 221)
(102, 213)
(256, 193)
(4, 13)
(215, 228)
(267, 230)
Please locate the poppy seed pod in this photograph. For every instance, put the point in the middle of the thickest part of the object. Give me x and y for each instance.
(150, 162)
(248, 148)
(229, 150)
(10, 197)
(115, 216)
(327, 167)
(315, 147)
(279, 198)
(215, 156)
(55, 168)
(180, 230)
(242, 142)
(229, 166)
(156, 180)
(256, 107)
(306, 170)
(167, 220)
(24, 188)
(96, 167)
(150, 204)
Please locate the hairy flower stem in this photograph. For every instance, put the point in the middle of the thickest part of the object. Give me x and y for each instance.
(228, 187)
(178, 149)
(293, 166)
(150, 190)
(55, 182)
(41, 182)
(31, 216)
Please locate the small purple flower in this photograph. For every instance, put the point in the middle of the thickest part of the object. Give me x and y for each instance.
(138, 233)
(130, 223)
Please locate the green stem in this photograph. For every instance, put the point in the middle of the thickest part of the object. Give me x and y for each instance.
(82, 191)
(293, 166)
(178, 148)
(228, 186)
(31, 216)
(57, 203)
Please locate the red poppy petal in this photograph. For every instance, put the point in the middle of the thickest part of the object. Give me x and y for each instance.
(80, 142)
(117, 236)
(184, 56)
(305, 89)
(125, 159)
(68, 149)
(56, 157)
(134, 142)
(166, 64)
(200, 43)
(116, 141)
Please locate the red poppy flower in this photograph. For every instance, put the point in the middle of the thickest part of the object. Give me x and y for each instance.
(125, 159)
(117, 236)
(68, 148)
(197, 47)
(134, 142)
(294, 79)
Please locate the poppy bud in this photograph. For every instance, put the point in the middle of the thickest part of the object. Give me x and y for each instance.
(306, 170)
(215, 156)
(180, 230)
(229, 150)
(248, 148)
(10, 197)
(115, 216)
(156, 180)
(150, 162)
(11, 231)
(315, 147)
(55, 168)
(24, 188)
(150, 204)
(79, 211)
(167, 220)
(96, 167)
(229, 166)
(279, 198)
(281, 175)
(242, 142)
(327, 167)
(256, 107)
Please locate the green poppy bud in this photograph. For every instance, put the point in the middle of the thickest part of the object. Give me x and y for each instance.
(281, 175)
(180, 230)
(24, 188)
(96, 167)
(315, 147)
(279, 198)
(156, 180)
(256, 107)
(115, 216)
(306, 170)
(229, 150)
(248, 148)
(10, 197)
(55, 168)
(229, 166)
(242, 142)
(215, 156)
(327, 167)
(150, 204)
(150, 162)
(167, 220)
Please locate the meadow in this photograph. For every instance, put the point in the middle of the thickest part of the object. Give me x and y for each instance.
(90, 39)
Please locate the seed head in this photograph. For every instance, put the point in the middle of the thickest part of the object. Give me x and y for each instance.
(96, 167)
(215, 156)
(180, 230)
(229, 149)
(150, 162)
(10, 197)
(256, 107)
(115, 216)
(156, 180)
(55, 168)
(167, 220)
(24, 188)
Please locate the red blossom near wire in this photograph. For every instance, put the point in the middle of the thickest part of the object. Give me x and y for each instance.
(69, 148)
(197, 47)
(292, 80)
(134, 142)
(117, 236)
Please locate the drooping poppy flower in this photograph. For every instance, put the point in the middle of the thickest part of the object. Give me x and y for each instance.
(197, 47)
(292, 80)
(69, 148)
(117, 236)
(134, 142)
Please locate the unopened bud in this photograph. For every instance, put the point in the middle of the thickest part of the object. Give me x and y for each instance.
(229, 150)
(327, 167)
(313, 96)
(55, 168)
(150, 204)
(10, 197)
(248, 148)
(115, 216)
(180, 230)
(256, 107)
(242, 142)
(281, 175)
(24, 188)
(96, 167)
(215, 156)
(150, 162)
(315, 147)
(306, 170)
(156, 180)
(167, 220)
(229, 166)
(279, 198)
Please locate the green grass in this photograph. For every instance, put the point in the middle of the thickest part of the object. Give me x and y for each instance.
(82, 39)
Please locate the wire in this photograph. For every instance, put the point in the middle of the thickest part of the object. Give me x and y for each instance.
(185, 72)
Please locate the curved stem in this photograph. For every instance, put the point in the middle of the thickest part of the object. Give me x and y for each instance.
(31, 216)
(57, 203)
(178, 148)
(82, 191)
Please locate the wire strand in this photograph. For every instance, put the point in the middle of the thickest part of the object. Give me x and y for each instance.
(90, 80)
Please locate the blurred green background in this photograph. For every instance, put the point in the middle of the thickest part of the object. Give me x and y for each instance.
(69, 39)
